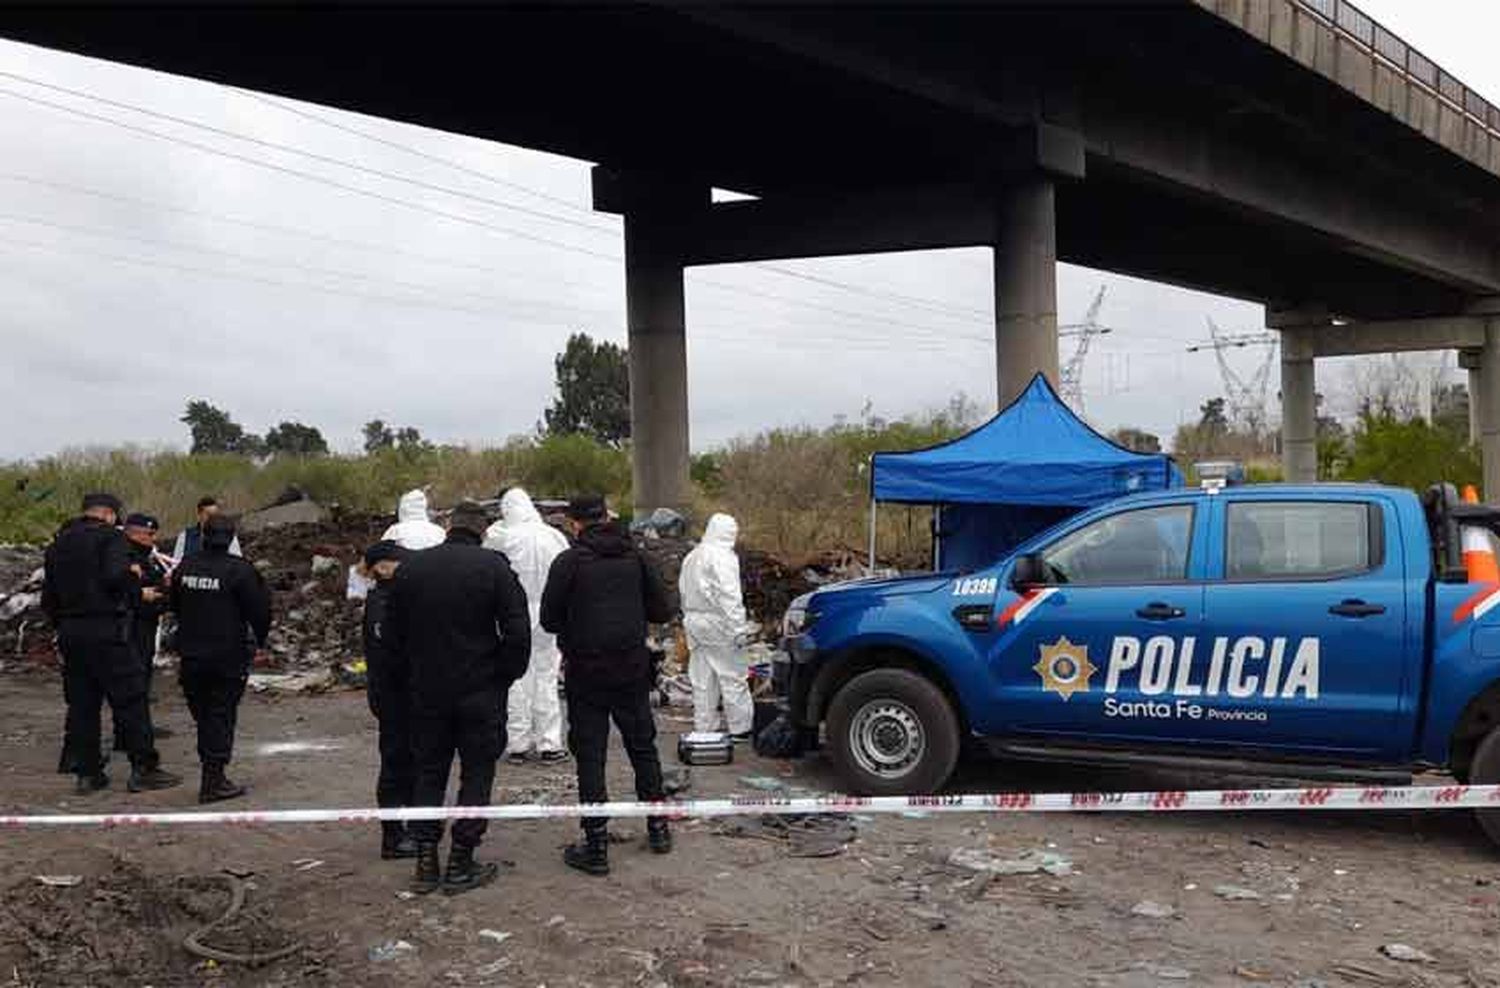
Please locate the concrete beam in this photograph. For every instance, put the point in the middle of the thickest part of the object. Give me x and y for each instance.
(775, 229)
(1398, 336)
(1365, 215)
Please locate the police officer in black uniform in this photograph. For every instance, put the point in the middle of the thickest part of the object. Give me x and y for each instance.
(600, 595)
(458, 617)
(388, 687)
(89, 594)
(140, 532)
(218, 598)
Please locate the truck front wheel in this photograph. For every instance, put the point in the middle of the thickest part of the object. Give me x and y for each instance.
(892, 732)
(1484, 770)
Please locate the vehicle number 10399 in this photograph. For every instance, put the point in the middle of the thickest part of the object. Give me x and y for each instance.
(976, 586)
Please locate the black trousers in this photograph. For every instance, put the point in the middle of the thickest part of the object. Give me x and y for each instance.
(213, 693)
(143, 637)
(589, 714)
(99, 664)
(397, 782)
(470, 726)
(143, 642)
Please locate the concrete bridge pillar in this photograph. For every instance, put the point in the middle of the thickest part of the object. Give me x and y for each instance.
(1469, 360)
(656, 319)
(1487, 397)
(1299, 408)
(1025, 286)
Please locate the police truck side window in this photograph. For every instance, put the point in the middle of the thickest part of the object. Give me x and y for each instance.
(1145, 546)
(1296, 540)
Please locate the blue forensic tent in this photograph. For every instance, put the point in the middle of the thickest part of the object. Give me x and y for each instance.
(1032, 465)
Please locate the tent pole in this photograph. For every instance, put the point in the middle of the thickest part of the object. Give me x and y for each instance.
(873, 503)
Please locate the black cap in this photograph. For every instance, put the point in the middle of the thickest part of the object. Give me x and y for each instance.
(587, 507)
(142, 520)
(103, 500)
(218, 531)
(383, 550)
(469, 516)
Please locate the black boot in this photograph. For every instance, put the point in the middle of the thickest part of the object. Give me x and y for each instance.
(395, 842)
(590, 855)
(464, 873)
(90, 784)
(216, 786)
(658, 835)
(144, 778)
(429, 874)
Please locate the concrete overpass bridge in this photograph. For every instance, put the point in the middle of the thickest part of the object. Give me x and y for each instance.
(1290, 152)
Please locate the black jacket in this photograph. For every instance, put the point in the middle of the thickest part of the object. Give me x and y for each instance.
(153, 575)
(458, 618)
(217, 597)
(88, 582)
(386, 669)
(600, 595)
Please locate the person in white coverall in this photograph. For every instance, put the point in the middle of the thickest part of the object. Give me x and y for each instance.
(533, 713)
(414, 529)
(713, 616)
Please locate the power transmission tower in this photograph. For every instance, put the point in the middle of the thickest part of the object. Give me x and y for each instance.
(1247, 397)
(1070, 383)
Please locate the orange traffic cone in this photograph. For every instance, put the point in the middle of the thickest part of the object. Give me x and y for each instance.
(1478, 547)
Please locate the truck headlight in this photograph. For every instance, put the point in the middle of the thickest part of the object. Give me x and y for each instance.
(799, 617)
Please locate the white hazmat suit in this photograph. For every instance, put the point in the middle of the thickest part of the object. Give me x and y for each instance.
(533, 714)
(414, 528)
(713, 616)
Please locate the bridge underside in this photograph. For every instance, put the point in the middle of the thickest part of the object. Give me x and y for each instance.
(1165, 143)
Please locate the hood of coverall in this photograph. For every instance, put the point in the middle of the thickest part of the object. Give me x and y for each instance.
(413, 507)
(516, 508)
(722, 532)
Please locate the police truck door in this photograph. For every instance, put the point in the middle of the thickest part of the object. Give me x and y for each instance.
(1095, 652)
(1305, 627)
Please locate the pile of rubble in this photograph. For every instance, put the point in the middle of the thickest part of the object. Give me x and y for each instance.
(25, 632)
(305, 553)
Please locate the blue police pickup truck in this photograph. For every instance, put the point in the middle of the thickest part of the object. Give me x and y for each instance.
(1325, 631)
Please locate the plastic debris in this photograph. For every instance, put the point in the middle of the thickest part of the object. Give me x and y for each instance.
(1029, 863)
(496, 935)
(389, 950)
(307, 864)
(1409, 955)
(1236, 893)
(59, 881)
(764, 783)
(676, 779)
(1152, 910)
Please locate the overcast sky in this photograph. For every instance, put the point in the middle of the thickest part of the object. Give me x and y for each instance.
(141, 271)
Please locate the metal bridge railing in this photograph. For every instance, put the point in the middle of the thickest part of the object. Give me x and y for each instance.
(1352, 23)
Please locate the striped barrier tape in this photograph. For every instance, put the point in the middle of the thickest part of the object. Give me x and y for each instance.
(1155, 801)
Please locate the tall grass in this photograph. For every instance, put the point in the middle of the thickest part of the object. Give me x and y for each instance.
(796, 492)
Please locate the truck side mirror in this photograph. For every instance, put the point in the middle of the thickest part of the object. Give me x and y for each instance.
(1030, 571)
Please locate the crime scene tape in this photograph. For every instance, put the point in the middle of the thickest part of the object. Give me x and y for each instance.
(1151, 801)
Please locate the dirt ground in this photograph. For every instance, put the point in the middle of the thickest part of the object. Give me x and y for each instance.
(1237, 899)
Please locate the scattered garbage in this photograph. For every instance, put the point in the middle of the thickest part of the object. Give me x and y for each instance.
(495, 935)
(764, 783)
(59, 881)
(1406, 954)
(661, 523)
(389, 951)
(806, 835)
(676, 779)
(307, 864)
(1236, 893)
(557, 920)
(323, 565)
(1152, 910)
(1029, 863)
